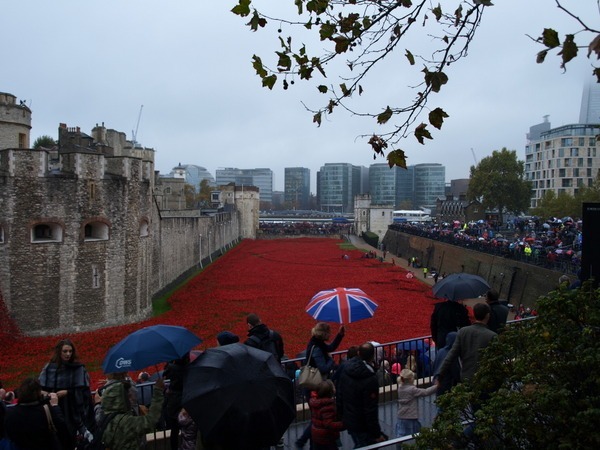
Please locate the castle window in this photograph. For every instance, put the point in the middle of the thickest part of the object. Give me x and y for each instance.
(144, 229)
(95, 277)
(167, 190)
(95, 231)
(1, 235)
(46, 232)
(22, 140)
(92, 190)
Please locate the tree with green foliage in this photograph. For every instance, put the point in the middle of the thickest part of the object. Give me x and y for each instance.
(204, 193)
(537, 386)
(498, 182)
(44, 141)
(356, 38)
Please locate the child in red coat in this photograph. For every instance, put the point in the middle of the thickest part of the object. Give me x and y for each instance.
(325, 429)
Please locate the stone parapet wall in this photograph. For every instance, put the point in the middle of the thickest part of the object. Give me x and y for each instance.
(516, 281)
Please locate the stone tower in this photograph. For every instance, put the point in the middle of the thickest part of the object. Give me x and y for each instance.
(15, 121)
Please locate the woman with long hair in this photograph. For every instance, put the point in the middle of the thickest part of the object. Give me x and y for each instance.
(67, 377)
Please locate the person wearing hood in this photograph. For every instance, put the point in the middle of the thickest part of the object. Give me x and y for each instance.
(67, 377)
(358, 398)
(452, 378)
(125, 430)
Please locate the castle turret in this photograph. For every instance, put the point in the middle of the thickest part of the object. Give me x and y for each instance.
(15, 121)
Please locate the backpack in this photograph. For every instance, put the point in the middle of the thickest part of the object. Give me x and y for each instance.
(97, 443)
(268, 345)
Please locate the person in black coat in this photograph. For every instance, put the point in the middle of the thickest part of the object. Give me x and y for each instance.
(174, 372)
(27, 424)
(358, 398)
(447, 316)
(498, 312)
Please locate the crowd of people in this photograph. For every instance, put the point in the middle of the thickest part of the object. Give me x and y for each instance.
(59, 411)
(304, 228)
(555, 243)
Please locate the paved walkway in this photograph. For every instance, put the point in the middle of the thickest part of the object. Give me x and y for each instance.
(359, 243)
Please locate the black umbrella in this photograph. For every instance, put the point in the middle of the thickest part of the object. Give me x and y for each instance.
(239, 397)
(460, 286)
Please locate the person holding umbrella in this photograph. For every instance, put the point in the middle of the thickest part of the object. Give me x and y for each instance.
(125, 430)
(318, 355)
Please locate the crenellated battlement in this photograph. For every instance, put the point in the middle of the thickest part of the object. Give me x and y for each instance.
(83, 244)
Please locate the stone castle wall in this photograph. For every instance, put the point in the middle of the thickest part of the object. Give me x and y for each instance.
(515, 281)
(109, 252)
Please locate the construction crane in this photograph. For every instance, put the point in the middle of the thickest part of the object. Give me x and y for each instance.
(134, 132)
(474, 157)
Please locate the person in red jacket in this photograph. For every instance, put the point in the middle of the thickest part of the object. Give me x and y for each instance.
(325, 429)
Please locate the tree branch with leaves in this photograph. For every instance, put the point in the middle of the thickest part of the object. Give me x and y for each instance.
(362, 34)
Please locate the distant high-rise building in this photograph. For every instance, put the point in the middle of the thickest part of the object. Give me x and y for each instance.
(590, 103)
(297, 187)
(562, 159)
(429, 184)
(261, 178)
(337, 184)
(391, 186)
(192, 174)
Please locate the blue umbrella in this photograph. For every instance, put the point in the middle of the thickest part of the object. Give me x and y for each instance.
(149, 346)
(341, 305)
(460, 286)
(418, 344)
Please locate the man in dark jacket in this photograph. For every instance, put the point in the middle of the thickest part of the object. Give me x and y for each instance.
(358, 398)
(261, 337)
(498, 312)
(447, 316)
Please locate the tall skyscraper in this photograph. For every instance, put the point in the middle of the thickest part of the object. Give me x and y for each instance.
(590, 103)
(337, 184)
(297, 187)
(261, 178)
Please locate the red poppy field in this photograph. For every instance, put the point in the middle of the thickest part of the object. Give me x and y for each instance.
(273, 278)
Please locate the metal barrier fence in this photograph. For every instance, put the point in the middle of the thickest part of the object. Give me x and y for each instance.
(419, 351)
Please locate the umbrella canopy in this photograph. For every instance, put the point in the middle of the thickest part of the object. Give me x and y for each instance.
(459, 286)
(418, 344)
(149, 346)
(341, 305)
(239, 397)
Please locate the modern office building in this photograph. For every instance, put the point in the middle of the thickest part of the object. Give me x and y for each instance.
(383, 184)
(261, 178)
(429, 184)
(562, 159)
(392, 186)
(297, 187)
(192, 174)
(337, 184)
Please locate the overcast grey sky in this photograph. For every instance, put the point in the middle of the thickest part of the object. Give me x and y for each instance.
(189, 63)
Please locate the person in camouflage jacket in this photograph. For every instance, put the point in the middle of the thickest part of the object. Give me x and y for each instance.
(126, 430)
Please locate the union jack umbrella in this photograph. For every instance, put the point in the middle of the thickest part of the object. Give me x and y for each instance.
(341, 305)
